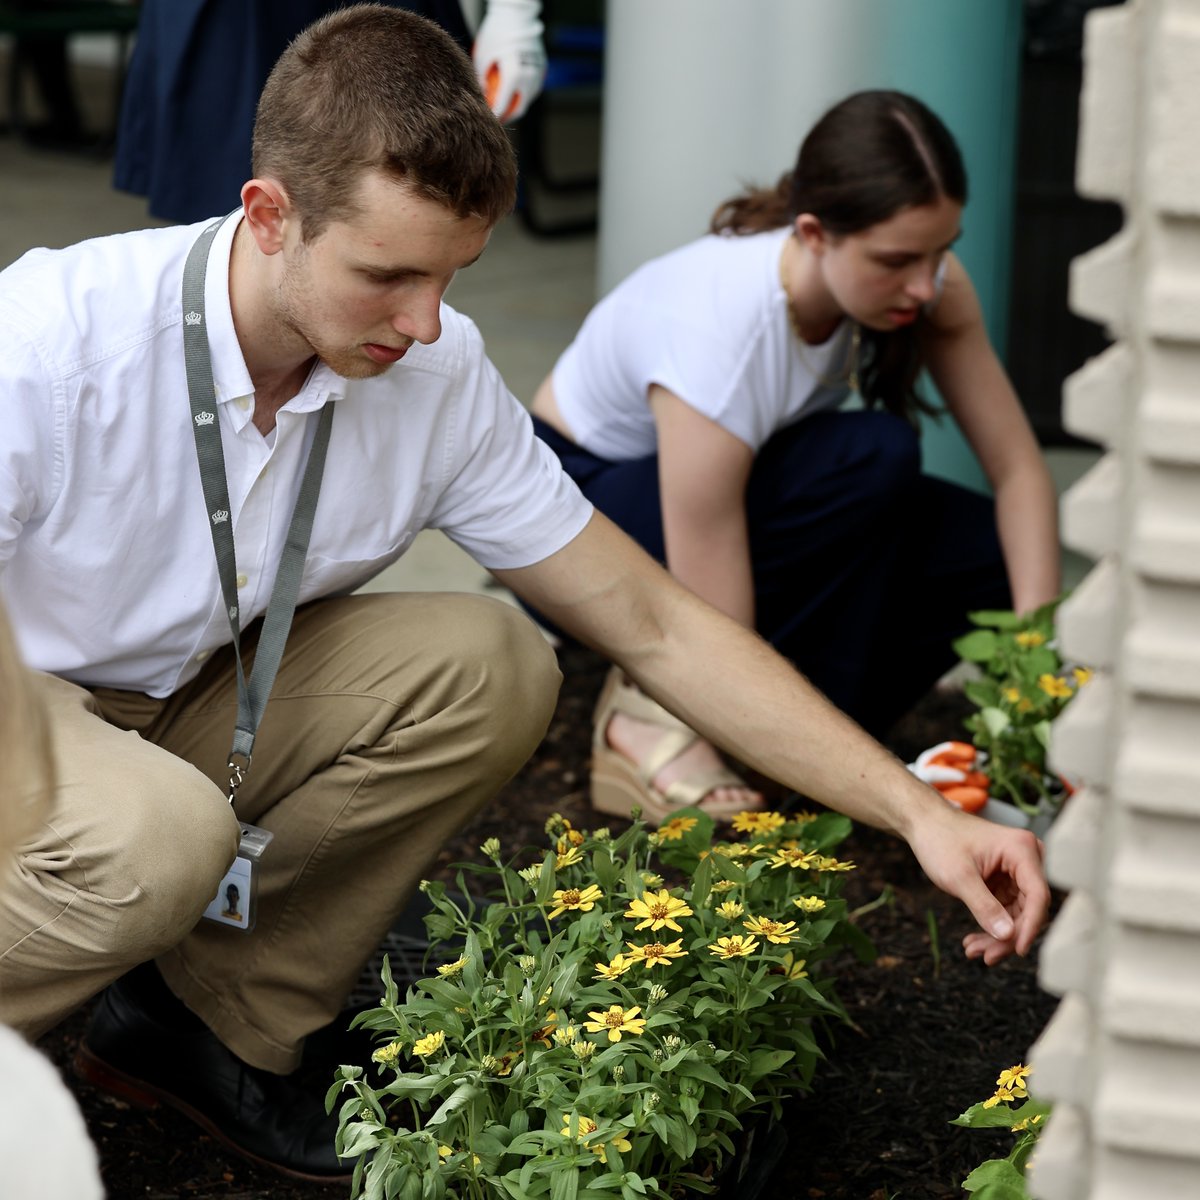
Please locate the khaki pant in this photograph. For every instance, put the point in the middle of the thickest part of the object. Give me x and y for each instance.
(393, 720)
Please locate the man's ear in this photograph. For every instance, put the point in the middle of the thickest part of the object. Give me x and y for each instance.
(812, 233)
(268, 212)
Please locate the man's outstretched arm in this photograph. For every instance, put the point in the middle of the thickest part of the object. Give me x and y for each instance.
(733, 688)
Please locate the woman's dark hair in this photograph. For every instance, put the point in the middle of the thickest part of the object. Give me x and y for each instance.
(867, 158)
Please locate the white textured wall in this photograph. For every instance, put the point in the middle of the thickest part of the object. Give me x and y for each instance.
(1121, 1058)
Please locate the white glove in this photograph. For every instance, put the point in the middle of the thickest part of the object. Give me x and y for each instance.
(510, 59)
(954, 769)
(941, 771)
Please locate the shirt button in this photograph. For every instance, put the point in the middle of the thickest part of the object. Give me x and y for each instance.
(202, 655)
(242, 580)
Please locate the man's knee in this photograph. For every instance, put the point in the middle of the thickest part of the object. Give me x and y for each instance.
(509, 667)
(143, 858)
(179, 856)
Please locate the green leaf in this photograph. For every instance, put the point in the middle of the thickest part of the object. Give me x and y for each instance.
(605, 870)
(995, 720)
(462, 1096)
(564, 1183)
(977, 646)
(996, 1179)
(764, 1062)
(702, 879)
(547, 880)
(997, 618)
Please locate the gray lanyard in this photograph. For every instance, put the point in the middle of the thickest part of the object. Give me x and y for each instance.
(252, 692)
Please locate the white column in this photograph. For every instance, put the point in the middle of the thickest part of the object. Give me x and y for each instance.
(702, 97)
(1121, 1058)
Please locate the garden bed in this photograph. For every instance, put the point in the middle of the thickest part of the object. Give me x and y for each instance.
(931, 1029)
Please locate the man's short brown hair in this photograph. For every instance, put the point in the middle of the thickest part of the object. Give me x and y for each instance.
(376, 88)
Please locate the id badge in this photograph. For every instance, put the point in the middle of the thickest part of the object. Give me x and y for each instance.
(234, 903)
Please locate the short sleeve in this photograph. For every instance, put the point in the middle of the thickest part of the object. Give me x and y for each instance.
(506, 501)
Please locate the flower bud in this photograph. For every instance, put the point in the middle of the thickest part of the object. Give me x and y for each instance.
(618, 1073)
(653, 1100)
(657, 994)
(583, 1050)
(491, 848)
(603, 834)
(527, 963)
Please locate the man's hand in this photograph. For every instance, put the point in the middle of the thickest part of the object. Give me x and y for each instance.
(994, 870)
(509, 57)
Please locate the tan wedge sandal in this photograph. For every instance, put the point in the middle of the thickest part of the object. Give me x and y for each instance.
(618, 784)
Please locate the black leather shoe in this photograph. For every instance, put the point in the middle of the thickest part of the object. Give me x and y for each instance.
(149, 1058)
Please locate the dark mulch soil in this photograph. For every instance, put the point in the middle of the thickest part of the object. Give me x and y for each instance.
(932, 1030)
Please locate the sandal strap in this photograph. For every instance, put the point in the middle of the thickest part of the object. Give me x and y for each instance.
(670, 745)
(633, 702)
(618, 696)
(689, 792)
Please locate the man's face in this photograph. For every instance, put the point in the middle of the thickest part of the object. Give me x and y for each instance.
(369, 286)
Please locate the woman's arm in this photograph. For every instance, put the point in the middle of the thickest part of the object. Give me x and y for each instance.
(981, 399)
(703, 470)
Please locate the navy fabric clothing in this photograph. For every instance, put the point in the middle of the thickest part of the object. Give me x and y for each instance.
(197, 70)
(864, 568)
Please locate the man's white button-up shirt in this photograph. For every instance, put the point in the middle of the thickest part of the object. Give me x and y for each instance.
(106, 558)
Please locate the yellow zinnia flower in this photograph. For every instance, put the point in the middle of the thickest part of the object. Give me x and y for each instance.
(571, 838)
(1012, 694)
(658, 909)
(568, 857)
(430, 1044)
(615, 969)
(575, 900)
(821, 863)
(809, 904)
(674, 829)
(1053, 686)
(734, 946)
(1029, 638)
(1082, 676)
(779, 932)
(583, 1127)
(1013, 1080)
(449, 970)
(793, 967)
(616, 1021)
(655, 954)
(545, 1032)
(620, 1142)
(794, 857)
(388, 1055)
(723, 885)
(730, 910)
(758, 822)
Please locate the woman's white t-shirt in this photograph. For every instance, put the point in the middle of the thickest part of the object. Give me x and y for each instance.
(708, 322)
